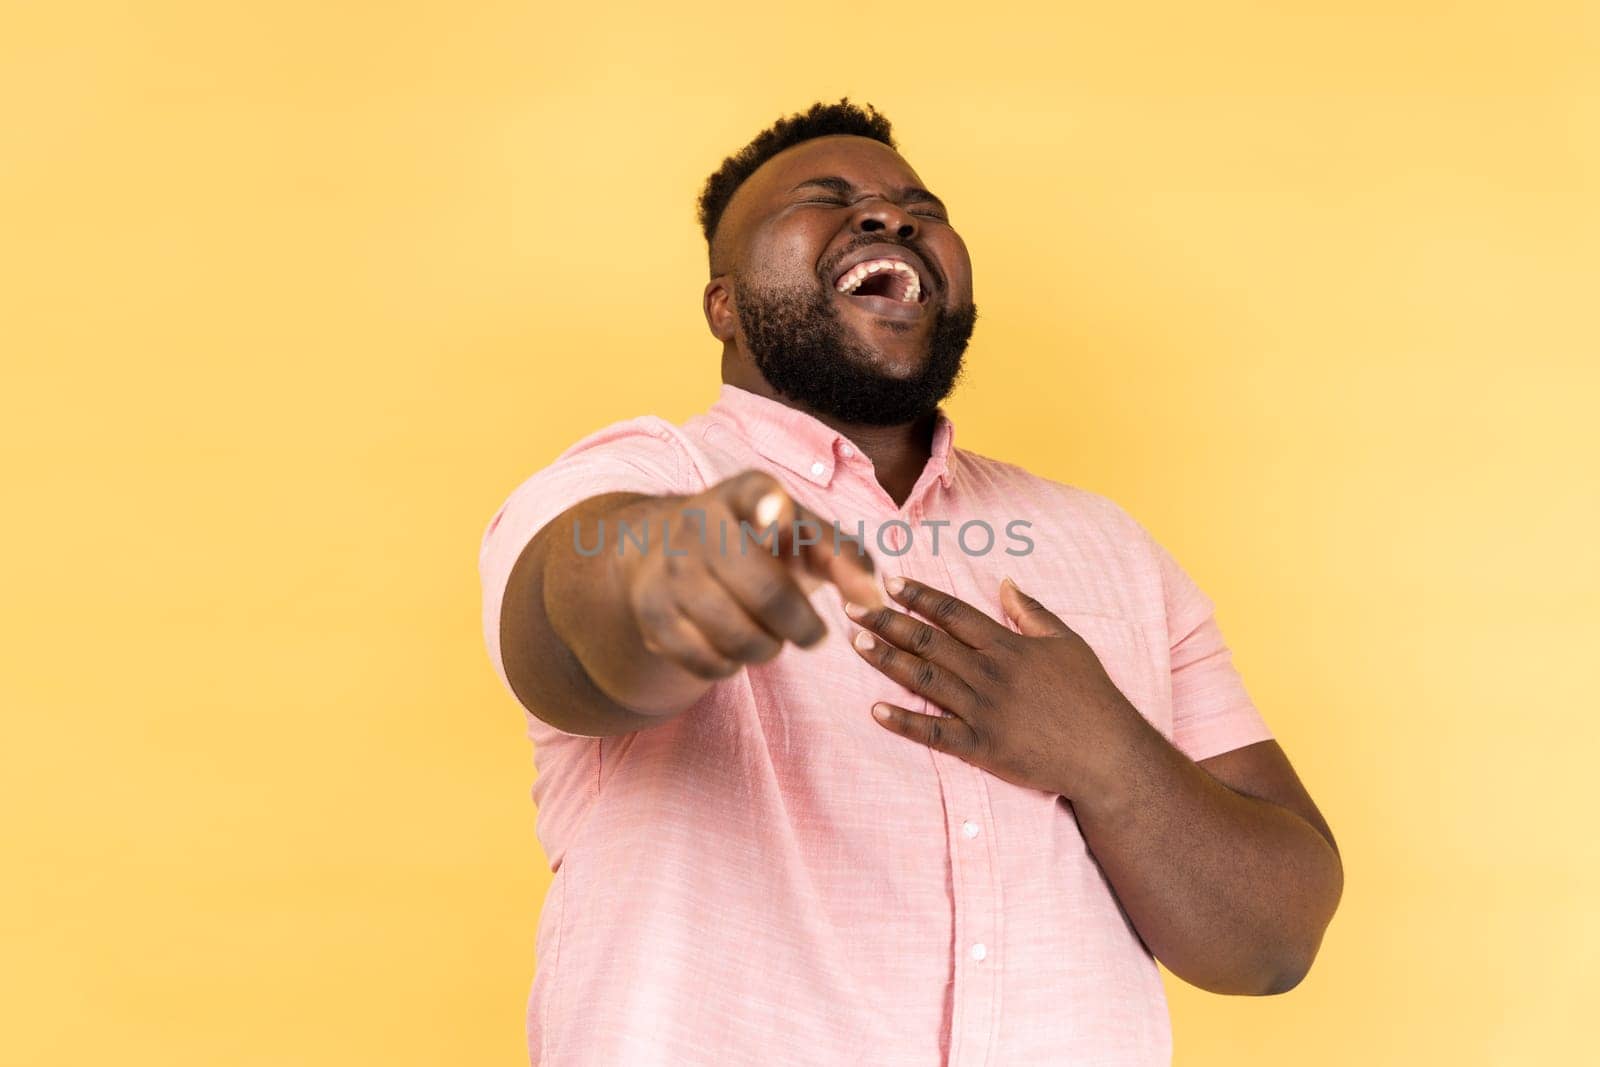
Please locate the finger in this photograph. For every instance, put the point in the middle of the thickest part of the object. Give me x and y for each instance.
(768, 593)
(918, 675)
(723, 621)
(914, 636)
(955, 616)
(833, 554)
(750, 497)
(793, 533)
(944, 733)
(754, 571)
(666, 632)
(1033, 619)
(766, 514)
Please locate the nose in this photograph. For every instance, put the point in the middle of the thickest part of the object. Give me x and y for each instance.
(877, 215)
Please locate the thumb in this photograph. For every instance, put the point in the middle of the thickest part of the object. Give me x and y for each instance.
(809, 545)
(1033, 619)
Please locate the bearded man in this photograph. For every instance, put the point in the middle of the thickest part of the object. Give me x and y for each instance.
(830, 770)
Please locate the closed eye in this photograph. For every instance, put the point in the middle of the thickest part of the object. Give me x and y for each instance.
(834, 201)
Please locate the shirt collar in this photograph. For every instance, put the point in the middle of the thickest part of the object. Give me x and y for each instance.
(812, 449)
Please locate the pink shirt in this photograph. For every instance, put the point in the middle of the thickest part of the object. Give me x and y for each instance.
(772, 877)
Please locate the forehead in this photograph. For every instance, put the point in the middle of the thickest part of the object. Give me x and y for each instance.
(860, 161)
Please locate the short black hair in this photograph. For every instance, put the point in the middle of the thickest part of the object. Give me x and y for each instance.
(821, 120)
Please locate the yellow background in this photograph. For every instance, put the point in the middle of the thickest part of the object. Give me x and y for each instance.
(293, 294)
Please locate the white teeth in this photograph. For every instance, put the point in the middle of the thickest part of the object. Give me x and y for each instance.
(851, 281)
(862, 271)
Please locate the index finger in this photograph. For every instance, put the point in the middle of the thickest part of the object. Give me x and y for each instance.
(821, 549)
(842, 559)
(950, 613)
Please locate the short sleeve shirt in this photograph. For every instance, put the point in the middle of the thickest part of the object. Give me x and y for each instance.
(771, 877)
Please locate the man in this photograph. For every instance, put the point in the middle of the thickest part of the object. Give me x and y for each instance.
(826, 774)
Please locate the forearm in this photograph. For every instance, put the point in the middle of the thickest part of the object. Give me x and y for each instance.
(621, 638)
(1232, 893)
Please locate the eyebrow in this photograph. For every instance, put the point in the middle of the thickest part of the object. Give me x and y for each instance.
(909, 194)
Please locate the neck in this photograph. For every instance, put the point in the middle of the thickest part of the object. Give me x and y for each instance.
(898, 453)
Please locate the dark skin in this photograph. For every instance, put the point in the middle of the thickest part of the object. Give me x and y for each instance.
(788, 219)
(1225, 867)
(1230, 889)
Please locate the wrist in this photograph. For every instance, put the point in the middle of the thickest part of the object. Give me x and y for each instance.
(1126, 760)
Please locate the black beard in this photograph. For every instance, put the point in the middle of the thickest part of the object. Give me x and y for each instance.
(806, 353)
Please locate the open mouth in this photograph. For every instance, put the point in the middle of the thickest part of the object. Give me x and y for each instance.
(892, 279)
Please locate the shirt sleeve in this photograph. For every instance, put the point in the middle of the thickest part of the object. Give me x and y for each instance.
(1211, 711)
(640, 455)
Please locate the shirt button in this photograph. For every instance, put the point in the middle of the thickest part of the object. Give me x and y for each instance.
(818, 467)
(979, 951)
(969, 828)
(846, 451)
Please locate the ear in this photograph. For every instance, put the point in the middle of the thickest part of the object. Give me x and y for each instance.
(718, 306)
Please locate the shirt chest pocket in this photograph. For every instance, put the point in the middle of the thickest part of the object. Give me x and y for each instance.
(1134, 667)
